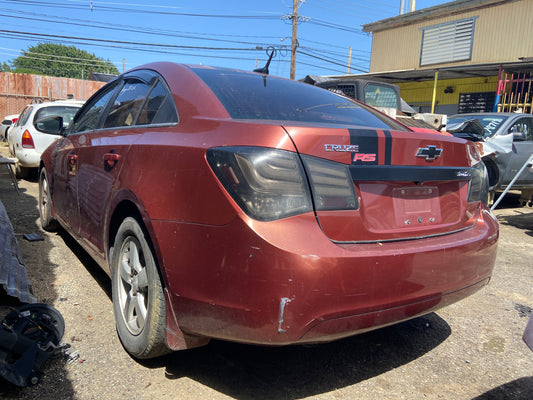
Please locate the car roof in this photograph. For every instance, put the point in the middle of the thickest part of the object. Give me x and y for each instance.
(503, 114)
(59, 103)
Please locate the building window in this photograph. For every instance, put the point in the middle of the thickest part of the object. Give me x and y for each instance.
(448, 42)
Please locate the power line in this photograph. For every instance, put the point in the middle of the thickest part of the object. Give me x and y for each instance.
(130, 29)
(150, 11)
(127, 42)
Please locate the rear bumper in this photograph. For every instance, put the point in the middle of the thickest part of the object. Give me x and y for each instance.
(28, 158)
(284, 282)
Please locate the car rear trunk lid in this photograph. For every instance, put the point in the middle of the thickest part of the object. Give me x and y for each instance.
(408, 185)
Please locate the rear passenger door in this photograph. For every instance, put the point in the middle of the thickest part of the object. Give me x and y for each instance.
(66, 162)
(101, 157)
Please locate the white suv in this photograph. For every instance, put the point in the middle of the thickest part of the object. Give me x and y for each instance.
(26, 142)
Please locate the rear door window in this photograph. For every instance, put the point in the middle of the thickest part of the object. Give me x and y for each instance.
(24, 116)
(159, 107)
(143, 100)
(127, 105)
(88, 119)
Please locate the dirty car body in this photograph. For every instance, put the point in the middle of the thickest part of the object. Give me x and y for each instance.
(238, 206)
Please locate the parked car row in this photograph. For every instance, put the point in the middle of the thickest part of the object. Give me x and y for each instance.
(26, 142)
(239, 206)
(7, 122)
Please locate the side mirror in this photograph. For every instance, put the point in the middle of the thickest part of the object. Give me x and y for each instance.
(52, 125)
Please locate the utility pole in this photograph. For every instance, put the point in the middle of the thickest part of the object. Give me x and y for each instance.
(349, 60)
(294, 44)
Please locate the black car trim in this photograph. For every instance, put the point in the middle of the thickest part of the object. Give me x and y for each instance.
(398, 173)
(388, 147)
(406, 238)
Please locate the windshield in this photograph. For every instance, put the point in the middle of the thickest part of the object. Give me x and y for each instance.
(254, 96)
(490, 123)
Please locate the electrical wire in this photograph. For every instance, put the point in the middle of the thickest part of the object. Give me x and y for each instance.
(324, 56)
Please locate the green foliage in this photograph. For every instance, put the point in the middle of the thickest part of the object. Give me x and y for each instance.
(59, 60)
(4, 67)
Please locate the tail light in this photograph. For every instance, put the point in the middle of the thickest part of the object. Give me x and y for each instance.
(478, 189)
(270, 184)
(27, 140)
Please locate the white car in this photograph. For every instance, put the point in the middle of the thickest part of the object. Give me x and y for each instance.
(7, 122)
(26, 142)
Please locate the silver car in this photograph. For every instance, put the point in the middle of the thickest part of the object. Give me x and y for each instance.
(510, 135)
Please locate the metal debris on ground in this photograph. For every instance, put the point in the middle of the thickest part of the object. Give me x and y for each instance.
(29, 335)
(33, 237)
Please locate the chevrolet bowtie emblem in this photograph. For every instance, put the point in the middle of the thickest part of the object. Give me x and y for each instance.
(429, 153)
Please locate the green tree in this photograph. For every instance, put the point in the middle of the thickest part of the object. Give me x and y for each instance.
(60, 60)
(5, 67)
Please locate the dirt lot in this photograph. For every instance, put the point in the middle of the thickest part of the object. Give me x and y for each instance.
(470, 350)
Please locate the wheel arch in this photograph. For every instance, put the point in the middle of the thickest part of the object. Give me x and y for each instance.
(492, 171)
(128, 208)
(175, 339)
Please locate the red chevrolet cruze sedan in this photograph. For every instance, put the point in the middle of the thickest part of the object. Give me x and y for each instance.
(239, 206)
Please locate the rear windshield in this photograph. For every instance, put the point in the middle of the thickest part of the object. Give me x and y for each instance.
(66, 112)
(254, 96)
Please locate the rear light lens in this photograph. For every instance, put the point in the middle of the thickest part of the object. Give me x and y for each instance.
(331, 184)
(270, 184)
(27, 140)
(478, 188)
(267, 184)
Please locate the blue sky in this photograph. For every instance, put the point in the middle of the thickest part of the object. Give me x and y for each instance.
(223, 33)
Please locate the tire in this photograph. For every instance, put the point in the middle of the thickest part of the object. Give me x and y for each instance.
(138, 298)
(22, 172)
(45, 204)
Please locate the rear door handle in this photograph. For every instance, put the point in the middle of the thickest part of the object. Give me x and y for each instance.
(72, 164)
(111, 157)
(111, 160)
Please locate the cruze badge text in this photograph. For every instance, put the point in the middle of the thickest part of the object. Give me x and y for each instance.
(342, 147)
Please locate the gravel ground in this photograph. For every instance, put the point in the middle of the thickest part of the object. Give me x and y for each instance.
(470, 350)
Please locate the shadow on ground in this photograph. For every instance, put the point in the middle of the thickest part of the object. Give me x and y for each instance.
(519, 389)
(254, 372)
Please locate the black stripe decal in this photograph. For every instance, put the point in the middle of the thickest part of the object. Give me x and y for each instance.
(364, 173)
(367, 142)
(388, 148)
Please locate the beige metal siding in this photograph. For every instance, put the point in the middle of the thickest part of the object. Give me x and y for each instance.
(501, 33)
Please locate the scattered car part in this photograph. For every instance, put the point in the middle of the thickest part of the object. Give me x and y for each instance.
(28, 336)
